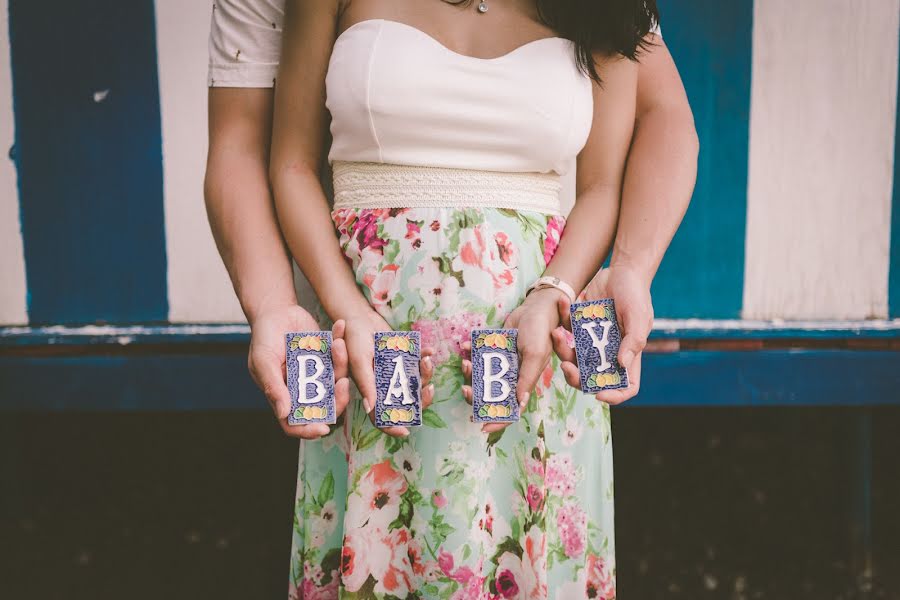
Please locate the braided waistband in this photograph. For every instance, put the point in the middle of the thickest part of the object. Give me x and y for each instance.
(379, 185)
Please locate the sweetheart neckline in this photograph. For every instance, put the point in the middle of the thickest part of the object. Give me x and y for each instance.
(443, 46)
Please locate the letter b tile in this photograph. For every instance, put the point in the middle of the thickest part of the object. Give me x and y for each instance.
(310, 377)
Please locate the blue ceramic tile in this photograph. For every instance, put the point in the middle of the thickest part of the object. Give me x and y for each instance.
(495, 371)
(397, 379)
(310, 377)
(597, 340)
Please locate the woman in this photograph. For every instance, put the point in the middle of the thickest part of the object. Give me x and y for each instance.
(451, 126)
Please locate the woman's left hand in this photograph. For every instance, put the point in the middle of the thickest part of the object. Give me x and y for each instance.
(535, 319)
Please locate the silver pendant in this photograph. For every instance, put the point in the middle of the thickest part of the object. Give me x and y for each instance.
(482, 7)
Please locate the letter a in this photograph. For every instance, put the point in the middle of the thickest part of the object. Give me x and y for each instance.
(399, 385)
(489, 378)
(303, 380)
(600, 344)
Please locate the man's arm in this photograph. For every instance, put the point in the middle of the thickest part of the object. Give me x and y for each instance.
(242, 218)
(238, 200)
(662, 166)
(659, 181)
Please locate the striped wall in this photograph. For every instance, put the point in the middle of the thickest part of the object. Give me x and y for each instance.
(103, 105)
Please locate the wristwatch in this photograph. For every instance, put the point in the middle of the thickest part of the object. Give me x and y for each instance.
(553, 282)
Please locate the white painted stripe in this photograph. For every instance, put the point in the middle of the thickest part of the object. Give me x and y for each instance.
(199, 289)
(13, 290)
(821, 157)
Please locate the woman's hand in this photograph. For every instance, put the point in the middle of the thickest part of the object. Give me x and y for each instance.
(358, 332)
(634, 308)
(535, 319)
(266, 362)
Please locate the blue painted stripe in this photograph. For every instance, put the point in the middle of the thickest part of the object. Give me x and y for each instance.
(217, 379)
(703, 272)
(90, 168)
(894, 277)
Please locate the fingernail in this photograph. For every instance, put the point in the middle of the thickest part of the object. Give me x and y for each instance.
(367, 405)
(427, 361)
(430, 388)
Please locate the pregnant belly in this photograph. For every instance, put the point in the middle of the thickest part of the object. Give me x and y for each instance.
(463, 267)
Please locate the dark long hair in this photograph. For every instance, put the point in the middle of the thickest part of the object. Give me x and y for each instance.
(607, 27)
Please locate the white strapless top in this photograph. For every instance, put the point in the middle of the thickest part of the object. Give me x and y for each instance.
(399, 96)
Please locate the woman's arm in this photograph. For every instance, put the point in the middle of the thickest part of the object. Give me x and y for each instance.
(310, 28)
(591, 224)
(298, 134)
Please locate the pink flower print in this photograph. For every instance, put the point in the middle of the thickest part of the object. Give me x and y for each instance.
(555, 227)
(360, 549)
(506, 249)
(601, 583)
(535, 467)
(413, 232)
(535, 497)
(343, 219)
(312, 590)
(376, 501)
(461, 575)
(438, 499)
(367, 231)
(561, 475)
(571, 523)
(396, 578)
(472, 252)
(524, 578)
(447, 334)
(473, 590)
(381, 284)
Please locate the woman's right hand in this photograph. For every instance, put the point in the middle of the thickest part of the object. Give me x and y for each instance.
(359, 336)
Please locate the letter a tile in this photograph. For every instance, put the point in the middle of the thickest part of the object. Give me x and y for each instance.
(397, 379)
(310, 377)
(495, 371)
(597, 340)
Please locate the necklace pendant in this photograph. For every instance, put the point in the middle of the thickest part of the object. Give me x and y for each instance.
(482, 7)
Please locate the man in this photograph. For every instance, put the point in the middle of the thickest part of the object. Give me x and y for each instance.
(245, 43)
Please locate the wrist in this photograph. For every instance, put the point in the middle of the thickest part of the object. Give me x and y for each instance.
(254, 309)
(643, 270)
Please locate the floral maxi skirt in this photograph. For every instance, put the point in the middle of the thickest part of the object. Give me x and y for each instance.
(451, 512)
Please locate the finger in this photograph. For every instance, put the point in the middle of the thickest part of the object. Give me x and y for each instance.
(339, 357)
(427, 395)
(467, 369)
(364, 375)
(467, 393)
(614, 397)
(563, 305)
(561, 346)
(426, 369)
(634, 341)
(573, 377)
(339, 328)
(313, 431)
(533, 364)
(270, 378)
(341, 395)
(492, 427)
(466, 348)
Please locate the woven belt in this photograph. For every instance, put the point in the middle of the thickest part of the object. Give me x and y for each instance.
(379, 185)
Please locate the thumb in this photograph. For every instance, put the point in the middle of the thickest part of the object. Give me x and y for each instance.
(271, 381)
(563, 305)
(634, 342)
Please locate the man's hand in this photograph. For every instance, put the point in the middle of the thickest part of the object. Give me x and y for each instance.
(631, 293)
(359, 334)
(266, 362)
